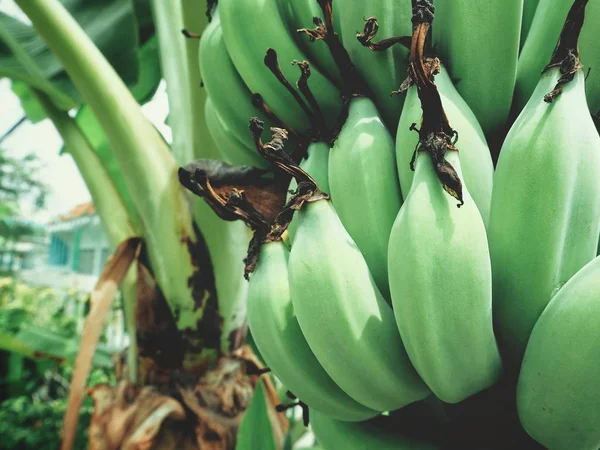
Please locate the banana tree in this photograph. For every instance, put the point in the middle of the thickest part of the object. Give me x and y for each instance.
(180, 266)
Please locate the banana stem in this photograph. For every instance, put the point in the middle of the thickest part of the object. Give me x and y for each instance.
(354, 84)
(116, 222)
(566, 53)
(436, 136)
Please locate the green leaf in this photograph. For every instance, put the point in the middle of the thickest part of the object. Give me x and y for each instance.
(255, 431)
(113, 25)
(40, 343)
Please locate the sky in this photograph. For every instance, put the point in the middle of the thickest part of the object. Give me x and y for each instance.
(58, 172)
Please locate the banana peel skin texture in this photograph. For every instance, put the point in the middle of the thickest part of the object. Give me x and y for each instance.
(362, 177)
(276, 332)
(555, 401)
(545, 216)
(480, 42)
(345, 319)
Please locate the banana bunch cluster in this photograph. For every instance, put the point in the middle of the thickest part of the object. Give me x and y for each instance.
(423, 249)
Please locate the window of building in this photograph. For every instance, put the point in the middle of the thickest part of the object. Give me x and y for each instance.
(86, 261)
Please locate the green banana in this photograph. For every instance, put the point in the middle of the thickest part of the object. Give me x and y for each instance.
(380, 433)
(230, 147)
(298, 15)
(475, 156)
(479, 40)
(545, 216)
(529, 7)
(441, 284)
(347, 323)
(250, 28)
(280, 341)
(557, 392)
(230, 97)
(362, 177)
(316, 165)
(383, 71)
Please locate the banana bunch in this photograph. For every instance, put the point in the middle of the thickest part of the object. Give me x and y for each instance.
(421, 262)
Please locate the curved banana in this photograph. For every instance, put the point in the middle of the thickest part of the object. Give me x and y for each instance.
(475, 157)
(383, 71)
(557, 392)
(280, 341)
(363, 177)
(345, 320)
(479, 41)
(545, 216)
(299, 14)
(316, 165)
(529, 7)
(380, 433)
(230, 96)
(230, 147)
(250, 28)
(441, 284)
(537, 50)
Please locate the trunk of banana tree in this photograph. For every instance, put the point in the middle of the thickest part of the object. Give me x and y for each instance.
(196, 376)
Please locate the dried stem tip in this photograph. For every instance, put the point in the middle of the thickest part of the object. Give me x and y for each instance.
(436, 136)
(370, 31)
(566, 53)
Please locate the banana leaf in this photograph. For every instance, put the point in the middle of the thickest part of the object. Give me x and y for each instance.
(42, 343)
(117, 27)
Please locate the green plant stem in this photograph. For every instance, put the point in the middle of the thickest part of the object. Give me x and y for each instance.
(114, 218)
(179, 62)
(151, 171)
(227, 242)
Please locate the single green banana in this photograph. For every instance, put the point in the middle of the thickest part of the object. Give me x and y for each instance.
(230, 147)
(380, 433)
(316, 165)
(529, 7)
(441, 283)
(383, 71)
(363, 178)
(557, 394)
(299, 14)
(345, 320)
(230, 96)
(538, 47)
(280, 341)
(475, 157)
(545, 215)
(479, 41)
(250, 28)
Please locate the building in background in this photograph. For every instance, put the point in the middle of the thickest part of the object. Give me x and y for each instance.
(77, 251)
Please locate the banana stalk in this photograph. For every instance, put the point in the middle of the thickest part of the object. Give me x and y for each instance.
(145, 158)
(116, 222)
(179, 63)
